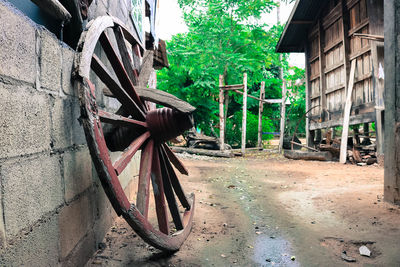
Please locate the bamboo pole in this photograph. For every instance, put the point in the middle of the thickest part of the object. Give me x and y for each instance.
(244, 121)
(283, 115)
(221, 114)
(260, 112)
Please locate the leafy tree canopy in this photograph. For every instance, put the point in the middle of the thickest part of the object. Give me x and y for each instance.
(225, 37)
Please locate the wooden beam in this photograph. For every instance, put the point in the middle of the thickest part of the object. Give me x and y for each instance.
(54, 8)
(373, 37)
(347, 108)
(269, 101)
(232, 87)
(309, 148)
(159, 97)
(221, 114)
(355, 119)
(301, 22)
(260, 112)
(205, 152)
(244, 119)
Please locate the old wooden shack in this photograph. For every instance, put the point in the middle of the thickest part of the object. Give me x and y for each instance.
(332, 34)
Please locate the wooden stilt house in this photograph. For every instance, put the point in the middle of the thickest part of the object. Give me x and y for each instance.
(332, 34)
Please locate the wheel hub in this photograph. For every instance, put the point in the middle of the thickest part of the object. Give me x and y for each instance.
(165, 123)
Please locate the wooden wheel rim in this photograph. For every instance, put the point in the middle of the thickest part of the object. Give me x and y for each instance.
(92, 118)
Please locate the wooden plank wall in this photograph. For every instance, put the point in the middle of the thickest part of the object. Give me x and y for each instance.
(334, 64)
(314, 77)
(332, 45)
(360, 49)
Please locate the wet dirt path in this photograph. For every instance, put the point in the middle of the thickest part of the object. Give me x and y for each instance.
(264, 210)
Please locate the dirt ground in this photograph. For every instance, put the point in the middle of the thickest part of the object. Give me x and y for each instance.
(265, 210)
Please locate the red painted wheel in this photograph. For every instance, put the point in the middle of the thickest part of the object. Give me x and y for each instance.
(131, 127)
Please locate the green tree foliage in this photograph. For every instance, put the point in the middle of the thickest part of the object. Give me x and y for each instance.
(225, 37)
(295, 116)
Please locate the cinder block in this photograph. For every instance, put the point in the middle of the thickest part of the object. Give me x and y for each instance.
(131, 170)
(2, 230)
(18, 45)
(50, 61)
(104, 212)
(82, 252)
(77, 172)
(24, 120)
(37, 248)
(75, 220)
(31, 188)
(78, 134)
(67, 66)
(65, 128)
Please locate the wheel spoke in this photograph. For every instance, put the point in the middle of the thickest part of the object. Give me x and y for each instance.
(176, 184)
(125, 56)
(105, 76)
(169, 194)
(112, 118)
(127, 155)
(143, 196)
(158, 189)
(177, 163)
(119, 69)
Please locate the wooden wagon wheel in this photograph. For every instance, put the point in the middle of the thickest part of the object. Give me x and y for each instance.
(132, 128)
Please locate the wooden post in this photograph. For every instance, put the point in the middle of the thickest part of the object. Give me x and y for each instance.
(322, 78)
(221, 114)
(260, 112)
(392, 101)
(244, 121)
(346, 119)
(376, 27)
(309, 136)
(283, 116)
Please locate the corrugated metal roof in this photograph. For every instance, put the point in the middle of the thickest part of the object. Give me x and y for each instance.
(302, 17)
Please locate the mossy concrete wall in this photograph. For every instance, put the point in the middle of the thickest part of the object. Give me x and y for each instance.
(53, 209)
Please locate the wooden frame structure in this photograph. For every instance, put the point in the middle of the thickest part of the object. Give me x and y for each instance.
(223, 108)
(333, 34)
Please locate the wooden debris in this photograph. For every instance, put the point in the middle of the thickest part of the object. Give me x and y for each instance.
(334, 149)
(198, 140)
(309, 148)
(204, 152)
(302, 155)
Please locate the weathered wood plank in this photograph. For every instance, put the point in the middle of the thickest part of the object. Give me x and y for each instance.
(54, 8)
(345, 132)
(160, 97)
(302, 155)
(205, 152)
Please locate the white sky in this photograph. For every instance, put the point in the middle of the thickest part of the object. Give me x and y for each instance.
(171, 22)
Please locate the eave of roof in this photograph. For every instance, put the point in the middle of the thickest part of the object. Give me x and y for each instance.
(302, 17)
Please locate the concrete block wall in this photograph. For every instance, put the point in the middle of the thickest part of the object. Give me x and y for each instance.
(53, 209)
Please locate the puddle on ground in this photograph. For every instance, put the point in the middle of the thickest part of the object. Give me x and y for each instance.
(273, 252)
